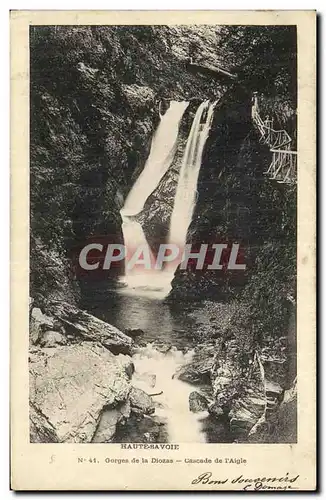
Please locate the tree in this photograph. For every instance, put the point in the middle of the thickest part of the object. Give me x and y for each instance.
(265, 57)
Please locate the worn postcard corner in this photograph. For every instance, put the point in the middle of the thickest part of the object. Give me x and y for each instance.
(163, 250)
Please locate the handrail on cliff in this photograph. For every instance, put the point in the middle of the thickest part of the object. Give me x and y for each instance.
(283, 167)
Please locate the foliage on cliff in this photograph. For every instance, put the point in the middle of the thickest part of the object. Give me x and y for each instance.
(264, 56)
(265, 59)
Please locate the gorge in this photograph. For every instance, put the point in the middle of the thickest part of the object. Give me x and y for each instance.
(144, 155)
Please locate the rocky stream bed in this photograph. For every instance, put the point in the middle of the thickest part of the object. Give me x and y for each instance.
(91, 382)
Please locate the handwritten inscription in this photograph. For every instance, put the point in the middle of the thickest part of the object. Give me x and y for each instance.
(285, 482)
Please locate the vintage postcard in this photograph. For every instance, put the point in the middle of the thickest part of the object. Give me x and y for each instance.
(163, 250)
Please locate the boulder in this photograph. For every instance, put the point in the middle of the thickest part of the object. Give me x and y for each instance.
(87, 71)
(195, 372)
(138, 96)
(198, 369)
(244, 416)
(51, 338)
(273, 388)
(134, 332)
(69, 387)
(141, 429)
(140, 402)
(38, 323)
(88, 327)
(197, 402)
(41, 318)
(108, 422)
(215, 410)
(41, 429)
(127, 364)
(151, 437)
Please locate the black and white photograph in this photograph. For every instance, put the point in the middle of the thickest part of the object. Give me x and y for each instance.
(163, 229)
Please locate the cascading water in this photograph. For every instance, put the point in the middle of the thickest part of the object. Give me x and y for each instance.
(134, 237)
(160, 158)
(154, 373)
(161, 155)
(185, 198)
(137, 279)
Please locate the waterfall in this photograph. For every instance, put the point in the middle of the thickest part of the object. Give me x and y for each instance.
(134, 235)
(185, 198)
(161, 154)
(138, 278)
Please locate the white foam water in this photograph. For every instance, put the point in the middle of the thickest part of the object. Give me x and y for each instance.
(186, 193)
(154, 373)
(161, 155)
